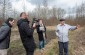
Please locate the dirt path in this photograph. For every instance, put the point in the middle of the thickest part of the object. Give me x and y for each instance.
(47, 48)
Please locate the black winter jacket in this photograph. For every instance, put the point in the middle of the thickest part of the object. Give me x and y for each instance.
(26, 34)
(40, 33)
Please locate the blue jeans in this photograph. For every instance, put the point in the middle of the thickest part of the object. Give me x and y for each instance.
(63, 47)
(41, 44)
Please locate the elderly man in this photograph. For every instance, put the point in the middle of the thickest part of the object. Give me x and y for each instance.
(62, 30)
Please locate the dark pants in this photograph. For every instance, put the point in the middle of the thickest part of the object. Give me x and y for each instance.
(30, 48)
(29, 52)
(63, 48)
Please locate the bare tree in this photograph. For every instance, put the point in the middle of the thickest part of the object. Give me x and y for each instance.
(24, 5)
(60, 13)
(6, 8)
(54, 10)
(45, 4)
(80, 11)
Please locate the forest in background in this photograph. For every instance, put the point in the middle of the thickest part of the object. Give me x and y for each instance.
(73, 16)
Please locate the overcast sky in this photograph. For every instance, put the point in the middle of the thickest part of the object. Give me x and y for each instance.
(31, 4)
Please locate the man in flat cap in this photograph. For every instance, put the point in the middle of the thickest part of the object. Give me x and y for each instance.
(62, 30)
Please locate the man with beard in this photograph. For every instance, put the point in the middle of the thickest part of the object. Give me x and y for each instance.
(26, 34)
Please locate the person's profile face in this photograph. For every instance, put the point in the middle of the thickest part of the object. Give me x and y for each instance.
(11, 23)
(40, 21)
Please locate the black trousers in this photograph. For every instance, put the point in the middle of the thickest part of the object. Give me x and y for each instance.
(30, 49)
(29, 52)
(63, 48)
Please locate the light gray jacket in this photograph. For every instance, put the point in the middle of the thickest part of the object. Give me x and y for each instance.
(62, 32)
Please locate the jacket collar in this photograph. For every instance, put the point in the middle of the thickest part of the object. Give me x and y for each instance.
(62, 25)
(5, 24)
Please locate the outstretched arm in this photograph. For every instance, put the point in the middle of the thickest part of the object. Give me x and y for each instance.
(74, 27)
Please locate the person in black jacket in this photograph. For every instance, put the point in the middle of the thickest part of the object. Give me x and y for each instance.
(26, 34)
(41, 30)
(5, 32)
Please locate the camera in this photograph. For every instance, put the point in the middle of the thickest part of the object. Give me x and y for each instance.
(36, 20)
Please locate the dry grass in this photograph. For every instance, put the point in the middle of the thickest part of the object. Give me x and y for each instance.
(76, 43)
(79, 42)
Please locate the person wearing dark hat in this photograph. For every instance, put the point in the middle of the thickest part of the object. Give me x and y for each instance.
(5, 32)
(62, 30)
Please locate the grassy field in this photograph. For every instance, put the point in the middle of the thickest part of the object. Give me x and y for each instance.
(76, 43)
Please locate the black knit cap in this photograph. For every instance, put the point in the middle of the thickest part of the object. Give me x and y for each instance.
(62, 19)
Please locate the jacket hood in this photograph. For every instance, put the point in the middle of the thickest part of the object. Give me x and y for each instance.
(4, 24)
(21, 21)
